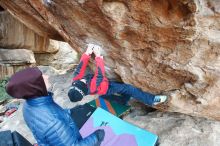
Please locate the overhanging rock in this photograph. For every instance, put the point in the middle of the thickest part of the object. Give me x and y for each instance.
(169, 47)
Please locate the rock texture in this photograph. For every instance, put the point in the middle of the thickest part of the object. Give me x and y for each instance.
(66, 58)
(16, 56)
(178, 129)
(160, 46)
(15, 35)
(33, 20)
(12, 60)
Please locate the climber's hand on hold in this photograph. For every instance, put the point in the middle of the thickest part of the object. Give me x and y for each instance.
(97, 50)
(89, 50)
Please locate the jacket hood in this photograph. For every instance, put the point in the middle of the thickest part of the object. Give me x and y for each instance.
(27, 83)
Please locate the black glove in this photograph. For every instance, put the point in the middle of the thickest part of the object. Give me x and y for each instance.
(100, 134)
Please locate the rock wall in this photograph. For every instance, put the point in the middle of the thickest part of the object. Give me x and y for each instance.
(12, 60)
(65, 59)
(15, 35)
(32, 19)
(168, 47)
(18, 44)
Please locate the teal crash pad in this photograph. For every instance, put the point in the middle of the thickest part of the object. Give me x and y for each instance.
(117, 131)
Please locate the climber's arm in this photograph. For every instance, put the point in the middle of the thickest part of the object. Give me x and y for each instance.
(99, 83)
(81, 68)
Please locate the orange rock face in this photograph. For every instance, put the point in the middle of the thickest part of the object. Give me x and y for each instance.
(169, 47)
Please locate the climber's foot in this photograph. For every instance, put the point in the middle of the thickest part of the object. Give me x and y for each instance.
(158, 99)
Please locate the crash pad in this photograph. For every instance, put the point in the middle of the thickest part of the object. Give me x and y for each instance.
(117, 131)
(110, 105)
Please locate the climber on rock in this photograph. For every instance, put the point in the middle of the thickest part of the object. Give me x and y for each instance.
(84, 84)
(50, 124)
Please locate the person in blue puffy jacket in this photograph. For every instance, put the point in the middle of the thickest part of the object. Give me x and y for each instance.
(50, 124)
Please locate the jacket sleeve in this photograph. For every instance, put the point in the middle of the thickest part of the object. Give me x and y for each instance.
(81, 68)
(99, 82)
(62, 134)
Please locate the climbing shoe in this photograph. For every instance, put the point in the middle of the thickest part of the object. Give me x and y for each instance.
(159, 99)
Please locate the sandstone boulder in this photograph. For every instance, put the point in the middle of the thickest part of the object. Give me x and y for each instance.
(14, 60)
(64, 59)
(32, 19)
(16, 56)
(15, 35)
(164, 47)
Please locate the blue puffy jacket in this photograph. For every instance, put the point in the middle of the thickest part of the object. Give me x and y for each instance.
(52, 126)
